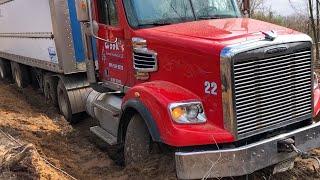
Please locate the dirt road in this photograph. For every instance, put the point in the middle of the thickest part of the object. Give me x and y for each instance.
(26, 116)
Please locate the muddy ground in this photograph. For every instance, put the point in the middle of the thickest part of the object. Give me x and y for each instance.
(25, 115)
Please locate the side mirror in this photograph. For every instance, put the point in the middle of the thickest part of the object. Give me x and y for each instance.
(85, 15)
(82, 10)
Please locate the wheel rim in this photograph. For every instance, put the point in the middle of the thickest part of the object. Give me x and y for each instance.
(63, 104)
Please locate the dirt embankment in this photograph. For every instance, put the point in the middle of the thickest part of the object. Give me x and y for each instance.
(26, 116)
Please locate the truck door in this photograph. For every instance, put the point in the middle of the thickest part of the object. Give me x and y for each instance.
(112, 66)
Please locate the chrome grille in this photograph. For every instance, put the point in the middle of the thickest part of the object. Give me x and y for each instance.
(272, 92)
(145, 61)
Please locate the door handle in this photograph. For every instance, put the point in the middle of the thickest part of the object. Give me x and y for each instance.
(92, 24)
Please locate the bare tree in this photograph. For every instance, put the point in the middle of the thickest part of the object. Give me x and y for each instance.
(300, 8)
(255, 5)
(314, 25)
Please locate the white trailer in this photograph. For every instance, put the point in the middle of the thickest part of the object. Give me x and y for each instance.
(41, 42)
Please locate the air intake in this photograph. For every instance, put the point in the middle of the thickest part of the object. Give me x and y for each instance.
(145, 60)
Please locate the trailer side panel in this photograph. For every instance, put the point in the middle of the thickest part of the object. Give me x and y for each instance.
(43, 34)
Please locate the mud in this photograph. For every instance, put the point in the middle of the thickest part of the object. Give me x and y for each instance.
(24, 162)
(25, 115)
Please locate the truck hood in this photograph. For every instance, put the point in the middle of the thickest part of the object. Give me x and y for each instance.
(223, 30)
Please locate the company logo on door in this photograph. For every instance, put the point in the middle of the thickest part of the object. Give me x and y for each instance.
(115, 49)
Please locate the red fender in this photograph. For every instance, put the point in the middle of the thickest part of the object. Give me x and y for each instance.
(316, 97)
(157, 96)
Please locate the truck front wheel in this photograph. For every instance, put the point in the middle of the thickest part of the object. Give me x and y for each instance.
(137, 141)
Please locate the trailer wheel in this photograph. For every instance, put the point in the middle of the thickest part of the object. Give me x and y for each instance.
(5, 69)
(64, 102)
(20, 74)
(49, 88)
(137, 141)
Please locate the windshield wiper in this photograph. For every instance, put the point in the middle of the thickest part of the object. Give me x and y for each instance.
(215, 17)
(154, 24)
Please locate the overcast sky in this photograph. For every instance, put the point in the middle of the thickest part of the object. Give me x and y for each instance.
(283, 7)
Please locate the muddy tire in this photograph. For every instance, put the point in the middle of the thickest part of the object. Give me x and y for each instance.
(5, 69)
(20, 74)
(49, 88)
(64, 102)
(115, 152)
(137, 141)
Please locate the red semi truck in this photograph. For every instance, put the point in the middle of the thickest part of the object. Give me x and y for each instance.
(196, 74)
(231, 95)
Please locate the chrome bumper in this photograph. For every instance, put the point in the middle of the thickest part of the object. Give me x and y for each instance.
(246, 159)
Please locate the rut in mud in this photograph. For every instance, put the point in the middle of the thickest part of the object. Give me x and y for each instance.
(25, 115)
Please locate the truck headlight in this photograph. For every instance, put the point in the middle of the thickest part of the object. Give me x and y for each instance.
(187, 113)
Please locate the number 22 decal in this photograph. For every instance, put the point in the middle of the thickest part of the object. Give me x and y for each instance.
(211, 88)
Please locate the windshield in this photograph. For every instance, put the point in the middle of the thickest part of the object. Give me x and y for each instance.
(142, 13)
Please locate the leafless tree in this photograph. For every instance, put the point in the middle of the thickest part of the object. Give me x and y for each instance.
(255, 5)
(313, 25)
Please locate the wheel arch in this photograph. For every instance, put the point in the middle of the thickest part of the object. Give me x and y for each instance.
(154, 98)
(130, 108)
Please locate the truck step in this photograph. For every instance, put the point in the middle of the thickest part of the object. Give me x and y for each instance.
(104, 135)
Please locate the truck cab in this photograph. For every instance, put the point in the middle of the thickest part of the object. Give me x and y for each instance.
(197, 75)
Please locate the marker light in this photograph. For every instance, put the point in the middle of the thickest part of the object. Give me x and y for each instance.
(178, 112)
(139, 42)
(187, 113)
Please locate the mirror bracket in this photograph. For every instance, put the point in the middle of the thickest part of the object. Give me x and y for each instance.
(92, 29)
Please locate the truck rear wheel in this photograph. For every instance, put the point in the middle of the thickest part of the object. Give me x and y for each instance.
(5, 69)
(64, 102)
(50, 86)
(137, 141)
(20, 74)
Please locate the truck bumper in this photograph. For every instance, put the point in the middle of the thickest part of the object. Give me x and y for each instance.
(246, 159)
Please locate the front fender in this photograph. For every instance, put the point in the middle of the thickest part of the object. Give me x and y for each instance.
(316, 105)
(155, 97)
